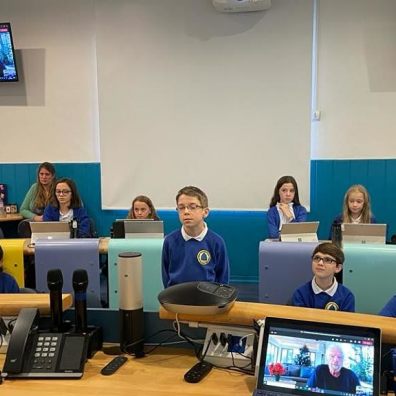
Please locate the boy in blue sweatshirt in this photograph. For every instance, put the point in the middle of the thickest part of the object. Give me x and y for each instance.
(323, 291)
(193, 253)
(7, 282)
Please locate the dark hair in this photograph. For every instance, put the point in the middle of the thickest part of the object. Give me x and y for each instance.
(283, 180)
(75, 201)
(332, 250)
(148, 202)
(1, 259)
(192, 191)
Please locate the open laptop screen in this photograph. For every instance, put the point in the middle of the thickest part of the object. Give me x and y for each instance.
(309, 358)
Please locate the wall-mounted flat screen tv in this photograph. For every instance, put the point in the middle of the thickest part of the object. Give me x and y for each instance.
(8, 69)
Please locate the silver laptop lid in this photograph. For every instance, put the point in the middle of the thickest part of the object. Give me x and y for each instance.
(49, 230)
(143, 228)
(363, 233)
(295, 355)
(300, 232)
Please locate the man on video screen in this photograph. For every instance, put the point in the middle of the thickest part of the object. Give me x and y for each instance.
(333, 376)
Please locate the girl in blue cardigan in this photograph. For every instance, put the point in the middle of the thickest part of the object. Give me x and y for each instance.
(285, 206)
(67, 206)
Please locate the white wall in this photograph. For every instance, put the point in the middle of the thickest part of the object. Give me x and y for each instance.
(356, 80)
(51, 114)
(188, 95)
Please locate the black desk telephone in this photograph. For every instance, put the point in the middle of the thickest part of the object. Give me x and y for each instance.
(35, 354)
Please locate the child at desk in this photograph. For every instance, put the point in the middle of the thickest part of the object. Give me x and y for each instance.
(285, 206)
(193, 253)
(8, 283)
(142, 208)
(356, 208)
(67, 206)
(323, 291)
(389, 309)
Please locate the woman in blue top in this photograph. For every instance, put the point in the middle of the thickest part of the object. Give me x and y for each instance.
(285, 206)
(67, 206)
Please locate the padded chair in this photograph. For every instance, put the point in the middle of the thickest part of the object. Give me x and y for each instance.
(92, 228)
(24, 230)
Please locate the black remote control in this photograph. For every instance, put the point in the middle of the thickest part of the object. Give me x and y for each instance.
(198, 372)
(113, 365)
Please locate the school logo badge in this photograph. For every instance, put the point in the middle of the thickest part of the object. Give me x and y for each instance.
(332, 306)
(203, 257)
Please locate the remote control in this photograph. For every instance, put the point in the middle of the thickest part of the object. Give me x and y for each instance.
(113, 365)
(198, 372)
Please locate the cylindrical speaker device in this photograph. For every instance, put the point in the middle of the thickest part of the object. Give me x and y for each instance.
(130, 281)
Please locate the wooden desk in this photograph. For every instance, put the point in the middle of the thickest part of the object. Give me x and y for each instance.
(103, 246)
(11, 304)
(11, 217)
(243, 313)
(161, 373)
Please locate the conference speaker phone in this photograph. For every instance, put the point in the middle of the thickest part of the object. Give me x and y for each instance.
(33, 353)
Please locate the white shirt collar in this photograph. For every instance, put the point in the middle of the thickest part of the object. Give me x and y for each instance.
(330, 291)
(282, 218)
(199, 237)
(357, 220)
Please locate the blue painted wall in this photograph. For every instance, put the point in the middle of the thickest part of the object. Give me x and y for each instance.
(242, 231)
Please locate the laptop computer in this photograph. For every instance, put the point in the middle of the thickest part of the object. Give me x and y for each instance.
(302, 351)
(299, 232)
(49, 230)
(134, 228)
(363, 233)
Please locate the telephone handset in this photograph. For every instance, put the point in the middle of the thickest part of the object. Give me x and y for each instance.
(35, 354)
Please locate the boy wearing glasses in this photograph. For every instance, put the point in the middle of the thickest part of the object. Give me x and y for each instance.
(323, 291)
(193, 253)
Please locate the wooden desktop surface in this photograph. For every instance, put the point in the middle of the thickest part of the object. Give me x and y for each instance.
(11, 304)
(11, 217)
(103, 246)
(160, 374)
(243, 313)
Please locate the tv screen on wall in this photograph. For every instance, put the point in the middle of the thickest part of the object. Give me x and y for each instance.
(8, 69)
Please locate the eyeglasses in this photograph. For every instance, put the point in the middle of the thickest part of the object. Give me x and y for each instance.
(190, 208)
(326, 260)
(62, 192)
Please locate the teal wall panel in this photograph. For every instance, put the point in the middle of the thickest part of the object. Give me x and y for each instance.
(242, 230)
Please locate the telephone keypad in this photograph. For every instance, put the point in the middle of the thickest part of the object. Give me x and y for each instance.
(45, 353)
